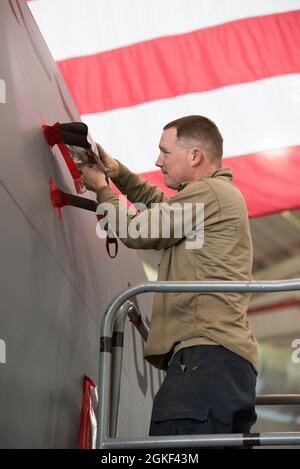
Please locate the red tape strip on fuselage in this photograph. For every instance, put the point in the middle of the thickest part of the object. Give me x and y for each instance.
(88, 385)
(53, 137)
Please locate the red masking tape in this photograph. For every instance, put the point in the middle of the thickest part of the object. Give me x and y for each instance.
(53, 137)
(83, 441)
(58, 198)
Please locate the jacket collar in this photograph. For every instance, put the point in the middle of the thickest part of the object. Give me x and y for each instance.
(220, 172)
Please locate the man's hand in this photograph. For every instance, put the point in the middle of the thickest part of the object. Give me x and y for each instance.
(93, 178)
(111, 166)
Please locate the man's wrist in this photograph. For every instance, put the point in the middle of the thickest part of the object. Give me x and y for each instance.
(105, 194)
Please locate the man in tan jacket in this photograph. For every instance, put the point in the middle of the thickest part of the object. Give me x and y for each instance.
(203, 340)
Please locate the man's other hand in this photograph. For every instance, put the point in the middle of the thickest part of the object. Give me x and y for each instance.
(93, 178)
(111, 165)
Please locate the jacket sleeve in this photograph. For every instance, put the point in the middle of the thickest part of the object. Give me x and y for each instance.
(163, 224)
(137, 189)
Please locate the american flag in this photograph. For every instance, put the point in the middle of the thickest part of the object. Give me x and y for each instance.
(134, 65)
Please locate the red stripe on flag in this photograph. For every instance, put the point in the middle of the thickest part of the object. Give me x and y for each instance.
(268, 180)
(236, 52)
(275, 306)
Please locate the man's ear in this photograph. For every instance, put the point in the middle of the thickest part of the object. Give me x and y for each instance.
(196, 156)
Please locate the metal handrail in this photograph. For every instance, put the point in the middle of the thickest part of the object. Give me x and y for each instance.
(105, 372)
(261, 399)
(128, 309)
(278, 399)
(205, 441)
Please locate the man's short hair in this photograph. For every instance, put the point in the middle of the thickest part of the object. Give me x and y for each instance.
(201, 130)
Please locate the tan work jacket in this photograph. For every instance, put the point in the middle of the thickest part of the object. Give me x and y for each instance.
(226, 254)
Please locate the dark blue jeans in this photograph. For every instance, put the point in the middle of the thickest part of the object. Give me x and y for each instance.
(207, 389)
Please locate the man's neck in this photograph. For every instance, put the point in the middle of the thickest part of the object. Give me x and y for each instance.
(204, 172)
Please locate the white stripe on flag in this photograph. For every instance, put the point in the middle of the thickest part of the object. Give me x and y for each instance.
(252, 117)
(108, 24)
